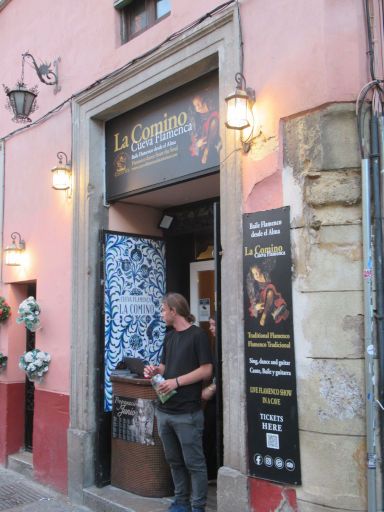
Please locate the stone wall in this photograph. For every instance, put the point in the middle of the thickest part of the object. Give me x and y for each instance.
(322, 185)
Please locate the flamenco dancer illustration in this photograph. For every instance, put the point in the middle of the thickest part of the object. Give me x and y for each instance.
(265, 300)
(205, 138)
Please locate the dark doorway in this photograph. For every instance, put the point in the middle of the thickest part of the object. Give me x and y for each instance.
(29, 385)
(192, 237)
(193, 269)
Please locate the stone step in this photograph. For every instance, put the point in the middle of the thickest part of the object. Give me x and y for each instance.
(112, 499)
(21, 462)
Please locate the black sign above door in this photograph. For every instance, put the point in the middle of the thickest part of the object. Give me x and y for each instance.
(170, 139)
(273, 437)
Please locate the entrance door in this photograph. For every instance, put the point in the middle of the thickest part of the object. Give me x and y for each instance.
(202, 291)
(202, 285)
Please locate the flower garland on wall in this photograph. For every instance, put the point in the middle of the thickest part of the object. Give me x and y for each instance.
(5, 309)
(29, 314)
(5, 313)
(35, 363)
(3, 362)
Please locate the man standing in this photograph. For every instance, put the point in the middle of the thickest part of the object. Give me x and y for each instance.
(185, 363)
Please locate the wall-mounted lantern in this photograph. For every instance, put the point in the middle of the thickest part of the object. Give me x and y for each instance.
(22, 99)
(239, 109)
(238, 104)
(62, 173)
(13, 254)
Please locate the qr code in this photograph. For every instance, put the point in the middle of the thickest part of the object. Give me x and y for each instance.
(273, 441)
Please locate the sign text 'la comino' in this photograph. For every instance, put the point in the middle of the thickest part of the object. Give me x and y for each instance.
(144, 136)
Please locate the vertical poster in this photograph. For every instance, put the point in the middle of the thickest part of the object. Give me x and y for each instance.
(273, 437)
(133, 289)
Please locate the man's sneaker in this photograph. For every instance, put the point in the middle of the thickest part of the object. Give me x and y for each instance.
(178, 507)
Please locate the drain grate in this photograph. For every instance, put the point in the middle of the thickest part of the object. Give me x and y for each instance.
(12, 495)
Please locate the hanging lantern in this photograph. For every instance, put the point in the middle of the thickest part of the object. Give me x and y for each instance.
(22, 102)
(22, 99)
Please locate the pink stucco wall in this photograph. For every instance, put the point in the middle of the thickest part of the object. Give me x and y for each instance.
(42, 216)
(298, 55)
(295, 59)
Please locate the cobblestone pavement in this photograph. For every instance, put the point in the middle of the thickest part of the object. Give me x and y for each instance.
(19, 494)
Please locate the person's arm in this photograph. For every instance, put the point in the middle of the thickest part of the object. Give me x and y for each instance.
(208, 392)
(204, 372)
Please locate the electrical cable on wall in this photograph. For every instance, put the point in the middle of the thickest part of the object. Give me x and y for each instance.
(370, 51)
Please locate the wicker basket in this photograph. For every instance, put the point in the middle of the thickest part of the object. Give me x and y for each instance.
(139, 468)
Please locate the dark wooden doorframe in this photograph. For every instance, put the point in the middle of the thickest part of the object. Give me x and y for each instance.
(217, 252)
(103, 430)
(29, 401)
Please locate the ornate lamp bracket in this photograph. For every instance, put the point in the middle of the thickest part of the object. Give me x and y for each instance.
(46, 74)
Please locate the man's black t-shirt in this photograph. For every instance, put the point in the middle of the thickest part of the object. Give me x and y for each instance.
(184, 351)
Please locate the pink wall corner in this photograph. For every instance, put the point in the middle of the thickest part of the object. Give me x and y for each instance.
(11, 419)
(51, 421)
(130, 218)
(12, 335)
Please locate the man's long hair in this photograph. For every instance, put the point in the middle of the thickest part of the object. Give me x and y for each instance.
(179, 303)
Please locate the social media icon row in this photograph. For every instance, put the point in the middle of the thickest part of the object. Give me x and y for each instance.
(278, 462)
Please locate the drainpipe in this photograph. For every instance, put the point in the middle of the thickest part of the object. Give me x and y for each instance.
(368, 336)
(378, 244)
(2, 185)
(380, 214)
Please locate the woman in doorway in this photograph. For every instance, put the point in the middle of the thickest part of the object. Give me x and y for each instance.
(208, 396)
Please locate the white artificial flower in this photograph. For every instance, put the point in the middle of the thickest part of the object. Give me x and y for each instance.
(31, 367)
(47, 357)
(39, 363)
(40, 355)
(45, 369)
(28, 357)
